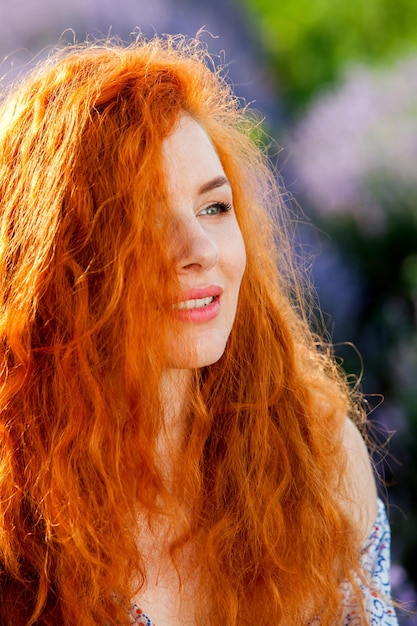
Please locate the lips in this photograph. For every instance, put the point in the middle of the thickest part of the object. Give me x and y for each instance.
(199, 305)
(195, 303)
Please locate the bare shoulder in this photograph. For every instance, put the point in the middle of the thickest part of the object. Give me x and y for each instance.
(359, 479)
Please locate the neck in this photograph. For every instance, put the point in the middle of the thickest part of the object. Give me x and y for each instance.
(173, 393)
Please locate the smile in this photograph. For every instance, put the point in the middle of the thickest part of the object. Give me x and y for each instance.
(196, 303)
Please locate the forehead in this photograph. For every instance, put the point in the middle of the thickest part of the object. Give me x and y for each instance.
(189, 157)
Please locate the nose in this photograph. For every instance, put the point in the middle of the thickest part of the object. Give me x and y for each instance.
(193, 248)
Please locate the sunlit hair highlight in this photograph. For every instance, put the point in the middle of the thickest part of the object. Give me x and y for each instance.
(84, 227)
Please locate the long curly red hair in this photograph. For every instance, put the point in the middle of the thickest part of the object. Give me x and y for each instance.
(83, 263)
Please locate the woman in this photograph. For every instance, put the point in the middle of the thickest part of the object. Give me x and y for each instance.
(174, 440)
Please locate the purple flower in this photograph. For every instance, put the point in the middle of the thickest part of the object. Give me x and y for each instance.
(356, 147)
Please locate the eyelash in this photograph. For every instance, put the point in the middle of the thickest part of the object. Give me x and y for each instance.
(224, 207)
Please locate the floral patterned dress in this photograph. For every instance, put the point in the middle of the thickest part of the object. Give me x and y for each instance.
(375, 557)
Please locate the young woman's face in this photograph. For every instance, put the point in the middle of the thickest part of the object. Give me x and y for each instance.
(206, 246)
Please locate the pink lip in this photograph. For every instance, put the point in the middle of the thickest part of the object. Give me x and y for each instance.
(204, 313)
(201, 292)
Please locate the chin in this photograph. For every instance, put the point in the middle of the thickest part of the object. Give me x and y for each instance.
(201, 356)
(197, 362)
(208, 361)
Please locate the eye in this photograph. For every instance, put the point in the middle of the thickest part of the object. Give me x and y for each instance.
(216, 208)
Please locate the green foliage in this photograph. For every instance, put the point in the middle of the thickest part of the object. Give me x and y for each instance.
(308, 41)
(384, 330)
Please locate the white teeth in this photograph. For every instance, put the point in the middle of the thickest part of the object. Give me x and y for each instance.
(193, 304)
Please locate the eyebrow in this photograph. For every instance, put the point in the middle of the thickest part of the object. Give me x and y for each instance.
(219, 181)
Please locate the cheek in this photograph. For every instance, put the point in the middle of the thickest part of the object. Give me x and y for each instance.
(237, 259)
(242, 257)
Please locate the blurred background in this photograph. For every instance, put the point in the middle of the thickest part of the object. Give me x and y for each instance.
(336, 84)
